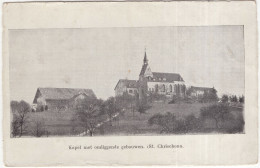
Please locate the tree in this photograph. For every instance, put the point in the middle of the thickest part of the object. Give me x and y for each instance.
(15, 126)
(233, 98)
(209, 96)
(242, 99)
(14, 106)
(20, 112)
(154, 96)
(168, 123)
(23, 110)
(192, 123)
(212, 95)
(224, 98)
(88, 114)
(164, 121)
(125, 101)
(111, 108)
(189, 91)
(134, 104)
(217, 112)
(142, 107)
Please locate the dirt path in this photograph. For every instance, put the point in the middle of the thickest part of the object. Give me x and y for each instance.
(99, 124)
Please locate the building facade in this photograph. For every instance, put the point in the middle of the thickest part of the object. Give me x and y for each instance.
(168, 84)
(199, 91)
(126, 86)
(54, 98)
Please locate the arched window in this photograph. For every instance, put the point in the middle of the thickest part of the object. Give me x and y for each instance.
(156, 88)
(170, 88)
(163, 88)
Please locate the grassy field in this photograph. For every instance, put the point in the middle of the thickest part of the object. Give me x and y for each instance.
(59, 123)
(56, 123)
(130, 124)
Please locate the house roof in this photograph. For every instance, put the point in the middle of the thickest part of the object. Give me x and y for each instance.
(166, 77)
(62, 93)
(128, 83)
(200, 88)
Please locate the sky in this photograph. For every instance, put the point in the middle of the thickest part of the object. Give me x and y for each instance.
(96, 58)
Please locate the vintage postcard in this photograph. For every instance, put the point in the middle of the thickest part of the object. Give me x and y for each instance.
(130, 83)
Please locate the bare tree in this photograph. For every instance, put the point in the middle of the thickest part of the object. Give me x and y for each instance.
(111, 108)
(20, 112)
(23, 110)
(88, 115)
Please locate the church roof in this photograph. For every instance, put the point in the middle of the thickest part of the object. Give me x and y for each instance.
(128, 83)
(166, 77)
(61, 93)
(143, 69)
(145, 58)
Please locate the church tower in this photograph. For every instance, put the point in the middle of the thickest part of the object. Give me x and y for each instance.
(144, 76)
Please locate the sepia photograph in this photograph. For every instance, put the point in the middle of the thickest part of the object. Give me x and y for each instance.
(130, 83)
(127, 81)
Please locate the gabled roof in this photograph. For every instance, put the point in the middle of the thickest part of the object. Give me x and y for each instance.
(61, 93)
(166, 77)
(128, 83)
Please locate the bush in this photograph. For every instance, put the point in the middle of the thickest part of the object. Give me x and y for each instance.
(177, 99)
(174, 100)
(142, 107)
(217, 112)
(152, 96)
(168, 123)
(193, 124)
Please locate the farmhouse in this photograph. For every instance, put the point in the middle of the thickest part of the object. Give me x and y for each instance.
(52, 98)
(126, 86)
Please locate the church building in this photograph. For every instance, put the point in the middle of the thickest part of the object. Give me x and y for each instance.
(168, 84)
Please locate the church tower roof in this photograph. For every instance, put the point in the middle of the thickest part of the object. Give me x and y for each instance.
(145, 65)
(145, 58)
